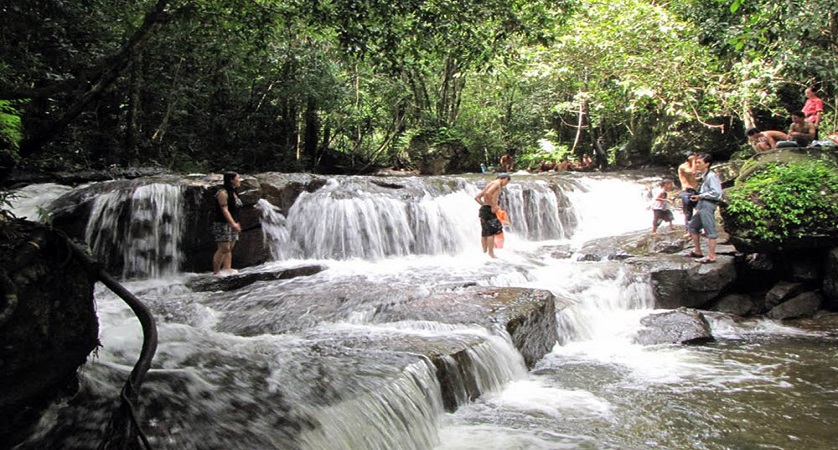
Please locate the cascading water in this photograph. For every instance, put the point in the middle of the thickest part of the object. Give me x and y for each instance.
(342, 221)
(28, 202)
(141, 227)
(237, 370)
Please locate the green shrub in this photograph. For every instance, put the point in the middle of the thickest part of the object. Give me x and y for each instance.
(785, 201)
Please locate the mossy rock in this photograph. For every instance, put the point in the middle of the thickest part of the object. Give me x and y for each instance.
(798, 156)
(784, 200)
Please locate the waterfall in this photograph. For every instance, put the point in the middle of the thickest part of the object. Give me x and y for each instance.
(28, 202)
(400, 415)
(275, 232)
(535, 212)
(343, 221)
(334, 359)
(608, 207)
(139, 230)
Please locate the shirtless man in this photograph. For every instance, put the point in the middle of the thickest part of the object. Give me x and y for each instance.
(490, 225)
(762, 141)
(689, 184)
(506, 162)
(801, 131)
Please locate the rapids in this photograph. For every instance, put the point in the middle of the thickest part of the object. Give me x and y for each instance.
(232, 373)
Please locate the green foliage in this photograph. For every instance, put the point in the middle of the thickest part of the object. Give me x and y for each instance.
(767, 46)
(279, 85)
(785, 201)
(10, 132)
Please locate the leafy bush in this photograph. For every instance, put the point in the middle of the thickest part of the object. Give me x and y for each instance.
(785, 201)
(10, 133)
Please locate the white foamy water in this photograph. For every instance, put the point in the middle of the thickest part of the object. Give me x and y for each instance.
(142, 228)
(217, 388)
(609, 207)
(30, 202)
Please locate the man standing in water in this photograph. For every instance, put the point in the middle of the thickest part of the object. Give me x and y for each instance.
(689, 184)
(705, 216)
(490, 226)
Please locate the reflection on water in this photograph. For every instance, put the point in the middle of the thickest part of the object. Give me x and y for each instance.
(765, 391)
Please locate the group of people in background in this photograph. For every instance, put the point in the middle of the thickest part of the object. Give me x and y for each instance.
(802, 132)
(701, 192)
(585, 164)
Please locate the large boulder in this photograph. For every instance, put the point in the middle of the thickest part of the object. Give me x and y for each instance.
(48, 324)
(783, 291)
(737, 304)
(679, 281)
(783, 201)
(679, 326)
(803, 305)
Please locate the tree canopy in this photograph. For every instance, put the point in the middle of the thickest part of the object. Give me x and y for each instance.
(352, 85)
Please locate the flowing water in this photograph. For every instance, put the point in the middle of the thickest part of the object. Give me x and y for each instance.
(263, 367)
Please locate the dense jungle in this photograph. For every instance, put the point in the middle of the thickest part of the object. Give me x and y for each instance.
(316, 103)
(434, 86)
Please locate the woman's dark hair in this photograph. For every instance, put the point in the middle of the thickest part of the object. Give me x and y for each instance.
(228, 180)
(751, 131)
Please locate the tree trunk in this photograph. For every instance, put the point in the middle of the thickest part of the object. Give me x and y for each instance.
(583, 106)
(130, 152)
(311, 132)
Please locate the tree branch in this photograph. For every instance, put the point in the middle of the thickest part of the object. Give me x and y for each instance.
(102, 77)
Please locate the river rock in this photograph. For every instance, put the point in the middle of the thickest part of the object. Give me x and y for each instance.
(679, 281)
(830, 280)
(743, 235)
(528, 315)
(738, 304)
(207, 283)
(679, 326)
(282, 189)
(783, 291)
(803, 305)
(630, 245)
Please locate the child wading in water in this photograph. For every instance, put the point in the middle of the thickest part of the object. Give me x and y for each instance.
(661, 205)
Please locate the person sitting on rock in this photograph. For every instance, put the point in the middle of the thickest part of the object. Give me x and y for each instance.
(506, 162)
(546, 166)
(801, 131)
(763, 141)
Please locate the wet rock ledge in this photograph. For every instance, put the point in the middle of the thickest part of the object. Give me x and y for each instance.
(528, 316)
(51, 334)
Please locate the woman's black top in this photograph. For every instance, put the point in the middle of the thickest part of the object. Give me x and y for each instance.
(233, 205)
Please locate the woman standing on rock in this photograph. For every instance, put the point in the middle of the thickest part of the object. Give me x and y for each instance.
(225, 226)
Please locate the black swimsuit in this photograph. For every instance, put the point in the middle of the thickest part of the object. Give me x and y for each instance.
(489, 223)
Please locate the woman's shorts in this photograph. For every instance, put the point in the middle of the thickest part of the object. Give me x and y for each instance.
(223, 232)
